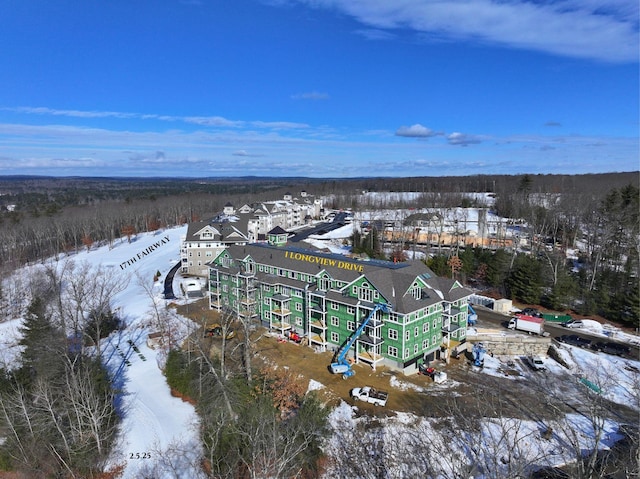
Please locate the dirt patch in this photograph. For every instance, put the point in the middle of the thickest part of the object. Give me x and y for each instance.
(184, 397)
(415, 394)
(199, 311)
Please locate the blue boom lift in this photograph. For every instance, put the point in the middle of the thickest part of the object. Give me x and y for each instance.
(341, 365)
(478, 354)
(472, 317)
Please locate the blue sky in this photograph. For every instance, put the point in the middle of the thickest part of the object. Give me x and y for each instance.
(318, 88)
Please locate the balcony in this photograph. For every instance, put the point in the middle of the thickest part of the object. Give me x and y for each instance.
(247, 313)
(371, 357)
(280, 325)
(374, 323)
(318, 323)
(318, 340)
(281, 312)
(449, 328)
(317, 307)
(248, 301)
(370, 340)
(451, 312)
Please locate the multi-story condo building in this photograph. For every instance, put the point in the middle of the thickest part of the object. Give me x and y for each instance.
(205, 240)
(325, 297)
(247, 224)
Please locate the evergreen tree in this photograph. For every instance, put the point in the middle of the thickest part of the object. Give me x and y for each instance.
(562, 293)
(43, 343)
(525, 282)
(498, 268)
(438, 264)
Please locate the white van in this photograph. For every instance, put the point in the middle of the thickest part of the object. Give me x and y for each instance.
(573, 323)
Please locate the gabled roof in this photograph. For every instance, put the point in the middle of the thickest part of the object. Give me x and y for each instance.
(207, 228)
(277, 231)
(451, 288)
(392, 280)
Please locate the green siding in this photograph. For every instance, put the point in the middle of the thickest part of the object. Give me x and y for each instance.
(407, 337)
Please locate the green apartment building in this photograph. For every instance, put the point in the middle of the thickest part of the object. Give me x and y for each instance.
(324, 297)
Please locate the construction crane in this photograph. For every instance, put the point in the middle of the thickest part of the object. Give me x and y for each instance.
(341, 365)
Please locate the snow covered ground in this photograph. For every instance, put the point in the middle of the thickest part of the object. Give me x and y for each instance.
(502, 444)
(154, 421)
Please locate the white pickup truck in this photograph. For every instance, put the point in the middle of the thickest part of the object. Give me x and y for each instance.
(370, 395)
(537, 363)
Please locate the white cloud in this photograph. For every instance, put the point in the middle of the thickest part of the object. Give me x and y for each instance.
(313, 95)
(416, 131)
(279, 125)
(69, 113)
(462, 139)
(212, 121)
(375, 34)
(605, 30)
(245, 153)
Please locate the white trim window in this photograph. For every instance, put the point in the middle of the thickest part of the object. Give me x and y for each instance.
(393, 334)
(335, 337)
(365, 294)
(335, 321)
(392, 351)
(351, 326)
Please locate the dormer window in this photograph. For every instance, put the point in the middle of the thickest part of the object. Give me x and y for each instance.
(365, 293)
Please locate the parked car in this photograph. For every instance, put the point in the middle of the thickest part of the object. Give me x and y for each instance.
(573, 323)
(609, 347)
(575, 340)
(531, 312)
(550, 473)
